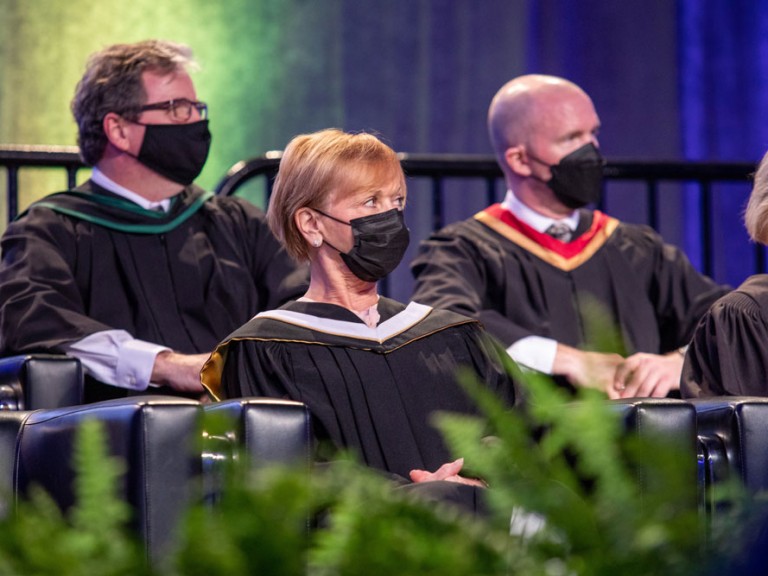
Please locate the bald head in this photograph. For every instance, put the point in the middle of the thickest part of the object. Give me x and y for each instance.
(523, 104)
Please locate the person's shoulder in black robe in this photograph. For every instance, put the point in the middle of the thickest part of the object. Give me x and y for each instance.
(372, 390)
(728, 355)
(519, 282)
(86, 261)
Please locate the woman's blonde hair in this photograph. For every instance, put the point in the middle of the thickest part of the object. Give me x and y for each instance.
(316, 166)
(756, 214)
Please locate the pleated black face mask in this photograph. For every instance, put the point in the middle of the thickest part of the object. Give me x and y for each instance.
(176, 151)
(380, 241)
(577, 179)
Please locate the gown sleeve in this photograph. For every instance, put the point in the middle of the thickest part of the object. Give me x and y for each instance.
(680, 293)
(277, 277)
(37, 286)
(490, 368)
(728, 353)
(458, 273)
(253, 368)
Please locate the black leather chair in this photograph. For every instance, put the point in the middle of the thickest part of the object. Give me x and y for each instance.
(270, 430)
(159, 439)
(264, 430)
(733, 445)
(156, 436)
(733, 439)
(34, 381)
(11, 422)
(671, 422)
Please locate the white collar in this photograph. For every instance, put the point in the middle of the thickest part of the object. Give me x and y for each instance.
(400, 322)
(108, 184)
(537, 221)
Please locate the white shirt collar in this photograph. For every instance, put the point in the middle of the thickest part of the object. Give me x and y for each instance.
(537, 221)
(108, 184)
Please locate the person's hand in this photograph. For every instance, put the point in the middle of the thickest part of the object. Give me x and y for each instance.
(588, 369)
(179, 371)
(448, 472)
(648, 375)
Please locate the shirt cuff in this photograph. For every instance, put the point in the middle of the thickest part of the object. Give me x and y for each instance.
(534, 352)
(135, 361)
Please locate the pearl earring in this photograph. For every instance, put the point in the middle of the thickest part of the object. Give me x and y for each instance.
(317, 243)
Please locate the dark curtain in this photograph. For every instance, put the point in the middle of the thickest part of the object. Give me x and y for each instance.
(723, 88)
(670, 80)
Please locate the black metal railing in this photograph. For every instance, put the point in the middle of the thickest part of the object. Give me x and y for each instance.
(437, 169)
(14, 158)
(440, 167)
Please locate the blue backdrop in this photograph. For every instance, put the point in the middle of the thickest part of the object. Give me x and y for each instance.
(671, 79)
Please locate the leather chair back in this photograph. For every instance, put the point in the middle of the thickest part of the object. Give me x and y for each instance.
(673, 423)
(156, 436)
(34, 381)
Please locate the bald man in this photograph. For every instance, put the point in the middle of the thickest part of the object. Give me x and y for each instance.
(541, 267)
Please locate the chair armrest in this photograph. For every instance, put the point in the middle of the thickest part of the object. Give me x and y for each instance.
(264, 430)
(33, 381)
(269, 430)
(740, 424)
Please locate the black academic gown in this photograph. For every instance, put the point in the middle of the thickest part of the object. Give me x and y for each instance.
(520, 283)
(728, 355)
(83, 262)
(373, 391)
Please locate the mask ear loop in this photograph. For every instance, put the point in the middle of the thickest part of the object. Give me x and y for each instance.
(549, 166)
(319, 242)
(332, 217)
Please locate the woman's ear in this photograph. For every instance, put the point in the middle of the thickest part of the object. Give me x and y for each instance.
(308, 225)
(517, 160)
(116, 131)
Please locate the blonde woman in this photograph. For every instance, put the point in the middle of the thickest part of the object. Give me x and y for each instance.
(373, 371)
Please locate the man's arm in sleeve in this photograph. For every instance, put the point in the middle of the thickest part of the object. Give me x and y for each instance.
(114, 357)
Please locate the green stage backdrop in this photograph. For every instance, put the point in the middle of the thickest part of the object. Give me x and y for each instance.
(258, 59)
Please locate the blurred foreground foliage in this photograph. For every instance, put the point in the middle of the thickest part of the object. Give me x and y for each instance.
(570, 493)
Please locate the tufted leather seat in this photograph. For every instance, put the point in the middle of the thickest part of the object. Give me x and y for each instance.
(157, 438)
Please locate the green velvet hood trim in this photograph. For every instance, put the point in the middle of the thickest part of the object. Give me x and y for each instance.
(127, 206)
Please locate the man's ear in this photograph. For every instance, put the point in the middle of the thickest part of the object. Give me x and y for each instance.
(117, 132)
(517, 160)
(308, 224)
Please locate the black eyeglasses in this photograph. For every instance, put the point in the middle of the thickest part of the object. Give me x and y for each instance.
(180, 110)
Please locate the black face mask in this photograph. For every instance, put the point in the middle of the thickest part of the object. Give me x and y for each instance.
(176, 151)
(577, 179)
(380, 242)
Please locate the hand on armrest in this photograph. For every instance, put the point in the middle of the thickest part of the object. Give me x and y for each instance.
(179, 371)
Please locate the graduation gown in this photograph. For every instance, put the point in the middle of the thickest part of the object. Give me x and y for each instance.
(728, 355)
(371, 390)
(520, 282)
(85, 261)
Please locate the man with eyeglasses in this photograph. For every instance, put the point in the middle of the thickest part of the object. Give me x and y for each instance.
(138, 272)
